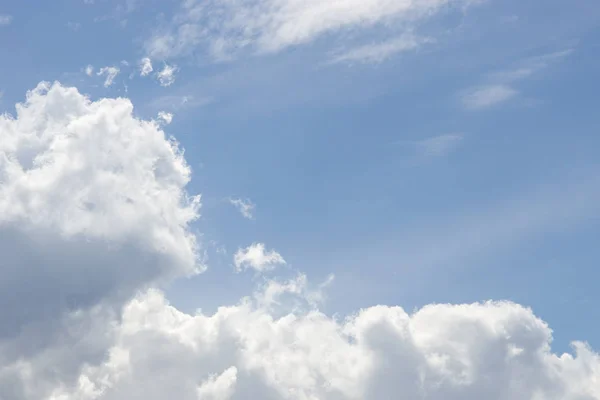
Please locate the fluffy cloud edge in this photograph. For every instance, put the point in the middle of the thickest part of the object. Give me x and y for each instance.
(499, 350)
(256, 257)
(73, 168)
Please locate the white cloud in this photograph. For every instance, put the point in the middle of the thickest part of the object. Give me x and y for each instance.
(165, 117)
(166, 76)
(272, 25)
(439, 145)
(93, 214)
(146, 66)
(110, 73)
(219, 387)
(500, 89)
(245, 207)
(487, 96)
(92, 207)
(530, 66)
(255, 257)
(495, 350)
(5, 19)
(89, 70)
(377, 53)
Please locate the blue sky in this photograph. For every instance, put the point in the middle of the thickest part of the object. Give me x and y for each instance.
(447, 156)
(336, 156)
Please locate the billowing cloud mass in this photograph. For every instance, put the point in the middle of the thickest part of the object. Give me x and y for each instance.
(256, 257)
(94, 216)
(441, 352)
(92, 209)
(268, 26)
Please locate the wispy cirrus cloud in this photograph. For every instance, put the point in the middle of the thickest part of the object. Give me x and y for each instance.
(379, 52)
(486, 96)
(530, 66)
(5, 19)
(269, 26)
(501, 84)
(439, 145)
(179, 102)
(245, 207)
(571, 201)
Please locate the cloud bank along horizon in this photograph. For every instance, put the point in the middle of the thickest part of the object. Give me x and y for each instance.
(95, 217)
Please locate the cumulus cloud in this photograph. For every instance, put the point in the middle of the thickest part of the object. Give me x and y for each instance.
(495, 350)
(110, 73)
(94, 216)
(219, 387)
(146, 66)
(255, 257)
(92, 206)
(268, 26)
(166, 76)
(245, 207)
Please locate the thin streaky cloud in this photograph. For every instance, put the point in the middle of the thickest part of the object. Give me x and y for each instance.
(270, 26)
(245, 207)
(179, 102)
(439, 145)
(487, 96)
(500, 87)
(530, 66)
(379, 52)
(544, 209)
